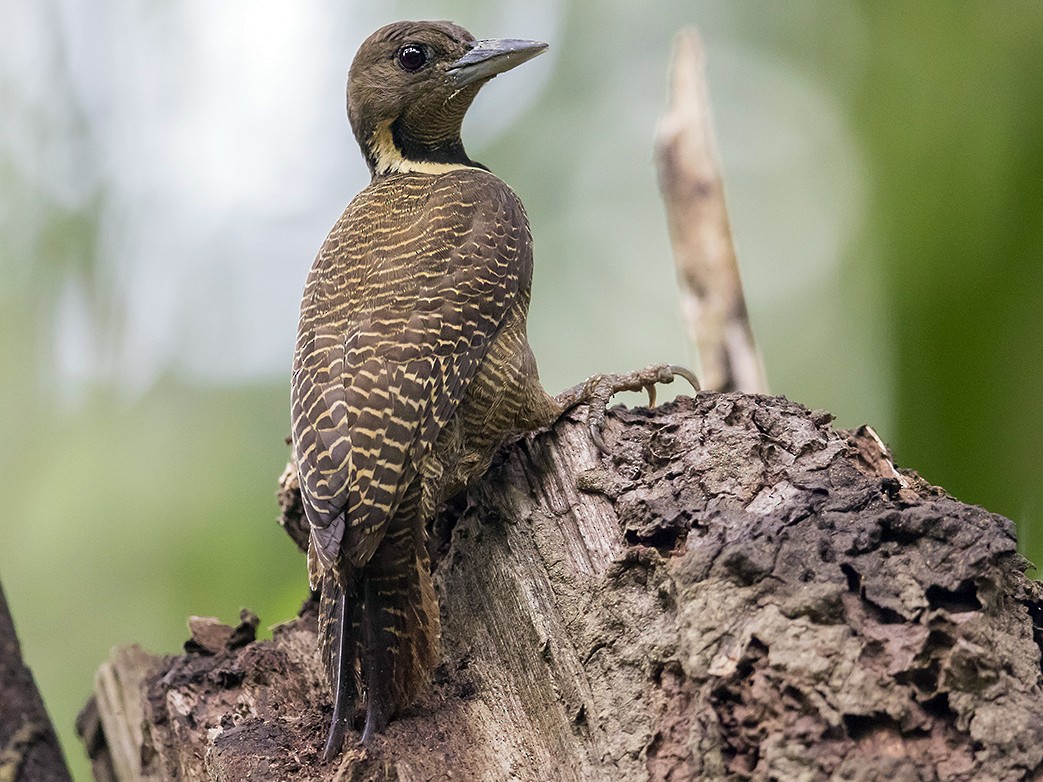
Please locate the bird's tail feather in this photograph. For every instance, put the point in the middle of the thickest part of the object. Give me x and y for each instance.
(340, 620)
(400, 626)
(382, 631)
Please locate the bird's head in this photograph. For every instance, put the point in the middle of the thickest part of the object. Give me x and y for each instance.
(410, 85)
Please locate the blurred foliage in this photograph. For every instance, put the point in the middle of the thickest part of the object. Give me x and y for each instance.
(956, 133)
(884, 163)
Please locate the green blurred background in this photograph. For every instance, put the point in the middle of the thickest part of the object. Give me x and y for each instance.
(168, 169)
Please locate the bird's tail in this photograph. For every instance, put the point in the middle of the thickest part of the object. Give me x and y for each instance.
(340, 636)
(381, 633)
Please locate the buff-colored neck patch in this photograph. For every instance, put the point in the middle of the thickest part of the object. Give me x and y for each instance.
(388, 158)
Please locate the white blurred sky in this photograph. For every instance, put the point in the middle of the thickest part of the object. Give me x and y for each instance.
(218, 138)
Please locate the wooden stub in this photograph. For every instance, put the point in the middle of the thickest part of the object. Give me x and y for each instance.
(120, 705)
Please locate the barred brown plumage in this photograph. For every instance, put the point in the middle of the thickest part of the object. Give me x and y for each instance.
(412, 362)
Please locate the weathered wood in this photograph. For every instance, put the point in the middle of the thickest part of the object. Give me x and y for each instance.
(712, 300)
(29, 747)
(112, 724)
(738, 592)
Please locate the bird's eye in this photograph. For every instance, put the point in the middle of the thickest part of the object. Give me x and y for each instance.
(412, 57)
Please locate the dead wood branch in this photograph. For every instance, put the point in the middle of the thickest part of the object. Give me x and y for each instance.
(712, 301)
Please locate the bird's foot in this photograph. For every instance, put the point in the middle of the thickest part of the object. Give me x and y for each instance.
(597, 390)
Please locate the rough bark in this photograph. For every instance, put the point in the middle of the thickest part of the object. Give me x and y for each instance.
(29, 747)
(738, 592)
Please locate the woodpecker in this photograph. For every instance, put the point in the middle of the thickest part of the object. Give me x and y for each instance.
(412, 363)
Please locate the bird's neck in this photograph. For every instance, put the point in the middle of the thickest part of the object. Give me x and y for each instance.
(393, 149)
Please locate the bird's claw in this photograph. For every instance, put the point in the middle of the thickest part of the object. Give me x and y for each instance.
(687, 374)
(650, 390)
(595, 435)
(598, 390)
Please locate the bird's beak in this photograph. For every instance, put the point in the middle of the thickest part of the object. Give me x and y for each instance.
(490, 57)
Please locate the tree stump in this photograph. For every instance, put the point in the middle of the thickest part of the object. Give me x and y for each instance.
(737, 592)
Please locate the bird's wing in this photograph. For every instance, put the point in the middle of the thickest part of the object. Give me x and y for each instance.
(404, 300)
